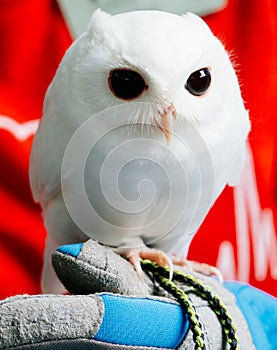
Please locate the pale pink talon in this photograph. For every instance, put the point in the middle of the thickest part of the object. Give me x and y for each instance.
(203, 268)
(155, 255)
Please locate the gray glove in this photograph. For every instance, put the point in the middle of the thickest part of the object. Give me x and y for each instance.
(125, 313)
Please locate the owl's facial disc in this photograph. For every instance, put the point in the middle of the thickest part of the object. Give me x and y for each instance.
(126, 84)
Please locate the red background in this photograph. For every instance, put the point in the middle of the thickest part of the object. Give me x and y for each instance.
(33, 38)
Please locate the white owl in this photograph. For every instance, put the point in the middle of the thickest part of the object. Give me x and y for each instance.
(143, 126)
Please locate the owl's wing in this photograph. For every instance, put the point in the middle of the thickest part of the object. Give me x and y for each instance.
(62, 108)
(50, 143)
(44, 170)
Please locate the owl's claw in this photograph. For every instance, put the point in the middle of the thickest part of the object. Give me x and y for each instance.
(203, 268)
(134, 258)
(157, 256)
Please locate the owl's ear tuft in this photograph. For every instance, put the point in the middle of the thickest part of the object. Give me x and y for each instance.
(98, 24)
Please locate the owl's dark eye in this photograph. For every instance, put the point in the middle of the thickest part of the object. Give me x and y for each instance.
(126, 84)
(199, 82)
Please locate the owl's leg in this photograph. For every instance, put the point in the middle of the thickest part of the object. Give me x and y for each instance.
(203, 268)
(134, 255)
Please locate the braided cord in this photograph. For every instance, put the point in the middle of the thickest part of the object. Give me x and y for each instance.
(216, 305)
(201, 290)
(184, 300)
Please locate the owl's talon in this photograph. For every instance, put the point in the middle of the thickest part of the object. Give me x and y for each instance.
(216, 272)
(134, 259)
(203, 268)
(154, 255)
(170, 267)
(207, 270)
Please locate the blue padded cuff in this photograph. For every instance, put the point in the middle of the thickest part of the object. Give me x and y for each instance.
(142, 322)
(71, 249)
(260, 312)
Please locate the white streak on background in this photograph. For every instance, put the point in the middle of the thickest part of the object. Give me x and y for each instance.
(21, 131)
(254, 228)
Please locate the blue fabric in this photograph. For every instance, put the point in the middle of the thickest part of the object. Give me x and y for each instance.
(146, 322)
(260, 312)
(142, 322)
(71, 249)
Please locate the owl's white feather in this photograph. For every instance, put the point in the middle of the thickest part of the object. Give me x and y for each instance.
(165, 49)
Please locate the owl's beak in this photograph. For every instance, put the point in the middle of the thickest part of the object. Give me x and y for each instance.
(168, 116)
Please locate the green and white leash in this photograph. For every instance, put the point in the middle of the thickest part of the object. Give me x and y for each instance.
(160, 275)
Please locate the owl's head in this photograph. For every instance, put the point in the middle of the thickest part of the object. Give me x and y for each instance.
(150, 56)
(173, 63)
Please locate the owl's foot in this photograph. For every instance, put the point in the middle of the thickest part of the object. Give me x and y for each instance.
(155, 255)
(203, 268)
